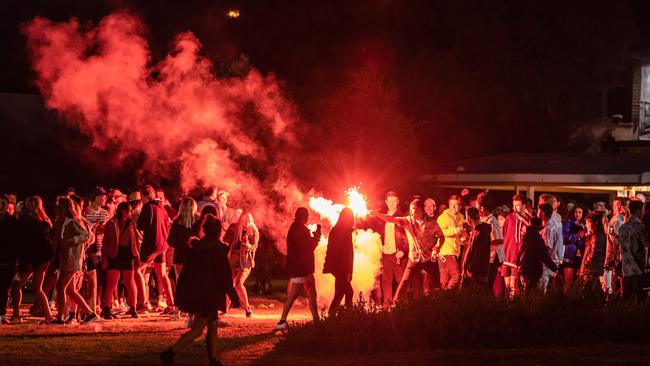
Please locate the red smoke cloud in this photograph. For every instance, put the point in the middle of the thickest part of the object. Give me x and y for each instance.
(236, 133)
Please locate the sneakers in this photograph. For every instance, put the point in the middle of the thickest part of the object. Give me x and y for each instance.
(249, 313)
(106, 313)
(4, 320)
(176, 315)
(282, 325)
(16, 320)
(71, 319)
(169, 310)
(133, 313)
(90, 318)
(144, 308)
(167, 357)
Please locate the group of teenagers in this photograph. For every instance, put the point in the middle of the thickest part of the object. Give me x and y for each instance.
(469, 244)
(120, 240)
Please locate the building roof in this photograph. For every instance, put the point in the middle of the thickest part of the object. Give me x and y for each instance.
(546, 169)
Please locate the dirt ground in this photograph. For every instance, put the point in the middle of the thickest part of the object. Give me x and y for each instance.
(251, 341)
(128, 341)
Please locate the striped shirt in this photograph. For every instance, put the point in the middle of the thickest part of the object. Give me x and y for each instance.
(97, 216)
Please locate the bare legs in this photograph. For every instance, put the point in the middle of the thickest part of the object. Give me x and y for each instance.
(39, 295)
(65, 287)
(112, 279)
(293, 291)
(240, 278)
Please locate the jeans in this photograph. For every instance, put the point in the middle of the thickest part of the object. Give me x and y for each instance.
(390, 270)
(449, 272)
(633, 287)
(342, 288)
(413, 276)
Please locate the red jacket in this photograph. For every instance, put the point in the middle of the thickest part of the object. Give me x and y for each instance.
(112, 237)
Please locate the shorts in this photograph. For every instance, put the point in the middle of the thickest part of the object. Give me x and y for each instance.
(303, 280)
(509, 271)
(298, 279)
(148, 258)
(120, 264)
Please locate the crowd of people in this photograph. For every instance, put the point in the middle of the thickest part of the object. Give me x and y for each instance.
(106, 255)
(469, 243)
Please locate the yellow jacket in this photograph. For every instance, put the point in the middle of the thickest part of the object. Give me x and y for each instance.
(451, 226)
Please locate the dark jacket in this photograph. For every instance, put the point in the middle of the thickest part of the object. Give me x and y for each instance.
(112, 235)
(8, 240)
(300, 251)
(476, 258)
(35, 249)
(206, 279)
(533, 255)
(179, 238)
(401, 242)
(593, 261)
(339, 258)
(154, 224)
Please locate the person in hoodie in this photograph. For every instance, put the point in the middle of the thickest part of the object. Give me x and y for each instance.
(202, 288)
(339, 259)
(154, 224)
(574, 232)
(476, 257)
(533, 256)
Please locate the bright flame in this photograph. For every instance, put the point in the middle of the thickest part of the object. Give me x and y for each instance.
(233, 13)
(367, 247)
(329, 210)
(357, 202)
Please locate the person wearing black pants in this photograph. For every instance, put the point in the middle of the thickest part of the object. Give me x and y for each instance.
(339, 259)
(631, 237)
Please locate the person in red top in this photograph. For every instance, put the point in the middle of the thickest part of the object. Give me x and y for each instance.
(154, 224)
(300, 264)
(514, 229)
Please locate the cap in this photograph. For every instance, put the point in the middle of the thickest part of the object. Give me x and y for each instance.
(639, 197)
(117, 193)
(98, 191)
(135, 196)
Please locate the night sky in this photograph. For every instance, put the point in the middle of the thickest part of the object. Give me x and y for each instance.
(469, 78)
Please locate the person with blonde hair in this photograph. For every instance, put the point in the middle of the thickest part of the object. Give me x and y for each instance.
(243, 239)
(181, 231)
(34, 256)
(75, 236)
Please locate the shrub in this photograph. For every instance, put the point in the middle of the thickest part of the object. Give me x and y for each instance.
(462, 319)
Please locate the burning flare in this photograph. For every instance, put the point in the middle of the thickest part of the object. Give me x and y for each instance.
(367, 247)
